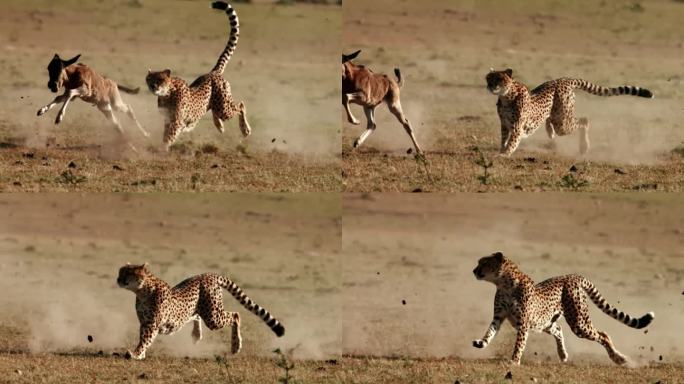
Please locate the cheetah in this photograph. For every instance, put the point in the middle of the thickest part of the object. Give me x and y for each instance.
(522, 111)
(530, 307)
(165, 309)
(183, 106)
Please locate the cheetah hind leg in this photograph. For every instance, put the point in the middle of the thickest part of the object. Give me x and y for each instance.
(244, 124)
(584, 135)
(217, 122)
(236, 337)
(552, 135)
(196, 329)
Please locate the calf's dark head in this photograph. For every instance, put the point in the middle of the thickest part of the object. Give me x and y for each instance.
(56, 68)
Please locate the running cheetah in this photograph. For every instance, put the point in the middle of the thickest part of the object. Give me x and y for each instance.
(185, 105)
(522, 111)
(530, 307)
(165, 309)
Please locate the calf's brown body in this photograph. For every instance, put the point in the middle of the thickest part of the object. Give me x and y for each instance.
(79, 80)
(361, 86)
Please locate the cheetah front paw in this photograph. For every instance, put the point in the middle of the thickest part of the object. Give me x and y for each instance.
(42, 111)
(479, 343)
(130, 355)
(59, 118)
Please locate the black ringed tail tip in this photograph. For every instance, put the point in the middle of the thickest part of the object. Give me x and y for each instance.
(279, 330)
(645, 320)
(222, 5)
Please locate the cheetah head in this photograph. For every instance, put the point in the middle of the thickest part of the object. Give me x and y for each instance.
(499, 82)
(159, 83)
(132, 277)
(56, 68)
(489, 268)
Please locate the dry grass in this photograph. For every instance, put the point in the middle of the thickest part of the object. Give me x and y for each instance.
(445, 49)
(93, 368)
(192, 169)
(368, 170)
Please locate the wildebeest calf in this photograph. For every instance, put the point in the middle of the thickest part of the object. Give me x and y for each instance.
(82, 81)
(361, 86)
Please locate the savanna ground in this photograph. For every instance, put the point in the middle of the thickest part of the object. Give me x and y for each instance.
(60, 255)
(445, 49)
(282, 69)
(412, 302)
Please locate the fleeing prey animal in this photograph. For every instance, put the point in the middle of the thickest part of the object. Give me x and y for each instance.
(522, 111)
(363, 87)
(79, 80)
(163, 309)
(537, 307)
(184, 105)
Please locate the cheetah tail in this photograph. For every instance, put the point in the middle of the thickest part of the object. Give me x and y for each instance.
(606, 91)
(400, 80)
(613, 312)
(232, 38)
(253, 307)
(132, 91)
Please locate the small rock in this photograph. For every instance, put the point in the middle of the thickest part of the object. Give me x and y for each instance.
(509, 376)
(620, 171)
(142, 376)
(273, 140)
(646, 331)
(19, 372)
(215, 166)
(660, 357)
(530, 159)
(408, 151)
(403, 302)
(71, 164)
(100, 353)
(90, 338)
(573, 168)
(117, 168)
(457, 381)
(417, 190)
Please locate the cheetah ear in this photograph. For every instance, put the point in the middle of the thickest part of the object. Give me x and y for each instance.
(499, 256)
(128, 263)
(146, 265)
(491, 70)
(149, 70)
(167, 72)
(509, 72)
